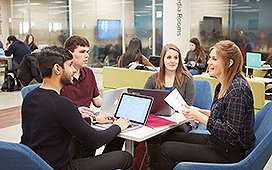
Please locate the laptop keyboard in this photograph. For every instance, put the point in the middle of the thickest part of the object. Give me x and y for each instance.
(133, 125)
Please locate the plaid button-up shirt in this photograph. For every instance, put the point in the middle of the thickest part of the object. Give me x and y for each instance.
(232, 116)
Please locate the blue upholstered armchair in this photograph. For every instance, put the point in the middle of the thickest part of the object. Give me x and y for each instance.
(16, 156)
(28, 88)
(257, 159)
(203, 100)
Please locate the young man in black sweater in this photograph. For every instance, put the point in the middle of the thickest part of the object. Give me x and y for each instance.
(49, 120)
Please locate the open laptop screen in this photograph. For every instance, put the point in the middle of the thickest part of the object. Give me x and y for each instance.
(134, 107)
(253, 59)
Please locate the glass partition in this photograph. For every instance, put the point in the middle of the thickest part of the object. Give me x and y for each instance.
(246, 22)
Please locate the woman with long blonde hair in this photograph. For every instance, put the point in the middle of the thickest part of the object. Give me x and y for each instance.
(230, 120)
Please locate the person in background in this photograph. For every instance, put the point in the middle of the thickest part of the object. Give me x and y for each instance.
(49, 120)
(134, 53)
(195, 58)
(30, 42)
(1, 44)
(17, 48)
(230, 120)
(172, 75)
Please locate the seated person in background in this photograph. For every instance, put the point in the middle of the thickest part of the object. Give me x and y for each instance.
(84, 90)
(49, 120)
(268, 63)
(1, 44)
(230, 120)
(134, 54)
(172, 75)
(30, 42)
(195, 58)
(17, 48)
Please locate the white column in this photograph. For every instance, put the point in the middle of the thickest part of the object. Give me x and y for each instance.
(176, 23)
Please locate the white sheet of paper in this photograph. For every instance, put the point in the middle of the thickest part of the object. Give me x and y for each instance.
(176, 101)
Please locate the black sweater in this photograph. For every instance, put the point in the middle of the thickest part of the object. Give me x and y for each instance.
(50, 120)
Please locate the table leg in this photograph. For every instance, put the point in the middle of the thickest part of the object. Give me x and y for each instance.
(129, 147)
(246, 72)
(9, 63)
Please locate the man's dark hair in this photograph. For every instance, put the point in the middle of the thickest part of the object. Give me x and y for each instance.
(49, 56)
(11, 38)
(76, 40)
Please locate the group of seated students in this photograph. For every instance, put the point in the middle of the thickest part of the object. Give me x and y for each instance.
(195, 60)
(19, 48)
(56, 117)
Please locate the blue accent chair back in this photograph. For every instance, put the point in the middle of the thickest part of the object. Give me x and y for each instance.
(203, 94)
(28, 88)
(203, 100)
(260, 155)
(18, 156)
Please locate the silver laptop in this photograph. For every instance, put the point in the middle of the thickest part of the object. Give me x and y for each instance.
(133, 107)
(110, 100)
(159, 106)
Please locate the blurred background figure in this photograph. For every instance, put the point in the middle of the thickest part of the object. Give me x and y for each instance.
(17, 48)
(195, 58)
(1, 44)
(134, 53)
(30, 42)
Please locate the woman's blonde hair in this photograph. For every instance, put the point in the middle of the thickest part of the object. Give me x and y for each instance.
(228, 51)
(180, 71)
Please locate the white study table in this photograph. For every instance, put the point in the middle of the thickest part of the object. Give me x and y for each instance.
(8, 59)
(257, 68)
(144, 133)
(265, 80)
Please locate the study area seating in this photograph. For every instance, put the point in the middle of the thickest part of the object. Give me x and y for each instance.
(28, 88)
(257, 159)
(16, 156)
(258, 90)
(257, 87)
(114, 77)
(203, 99)
(213, 81)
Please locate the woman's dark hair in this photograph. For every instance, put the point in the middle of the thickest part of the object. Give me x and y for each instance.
(49, 56)
(133, 53)
(199, 51)
(11, 38)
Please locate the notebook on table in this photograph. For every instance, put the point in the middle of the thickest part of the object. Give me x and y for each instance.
(159, 107)
(154, 121)
(133, 107)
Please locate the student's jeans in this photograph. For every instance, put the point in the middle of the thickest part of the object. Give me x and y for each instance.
(15, 65)
(109, 160)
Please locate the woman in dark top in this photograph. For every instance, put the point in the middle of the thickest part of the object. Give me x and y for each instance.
(195, 58)
(230, 120)
(30, 42)
(134, 53)
(172, 75)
